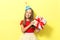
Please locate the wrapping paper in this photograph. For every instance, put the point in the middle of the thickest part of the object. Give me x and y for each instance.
(39, 22)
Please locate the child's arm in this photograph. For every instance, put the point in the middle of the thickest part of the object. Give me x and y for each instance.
(24, 29)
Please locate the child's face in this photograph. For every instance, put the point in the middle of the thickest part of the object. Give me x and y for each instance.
(28, 13)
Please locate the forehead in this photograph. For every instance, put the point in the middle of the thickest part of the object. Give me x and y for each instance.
(29, 10)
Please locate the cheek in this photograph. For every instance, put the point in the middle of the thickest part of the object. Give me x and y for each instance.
(29, 15)
(26, 14)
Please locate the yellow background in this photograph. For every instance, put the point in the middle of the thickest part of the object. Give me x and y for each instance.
(12, 12)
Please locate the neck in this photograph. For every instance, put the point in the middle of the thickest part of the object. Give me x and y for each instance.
(27, 19)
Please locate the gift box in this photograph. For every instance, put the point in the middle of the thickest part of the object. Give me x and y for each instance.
(39, 22)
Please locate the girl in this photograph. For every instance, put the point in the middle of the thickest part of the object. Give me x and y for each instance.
(27, 26)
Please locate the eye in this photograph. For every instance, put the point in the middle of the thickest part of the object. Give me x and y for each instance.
(26, 11)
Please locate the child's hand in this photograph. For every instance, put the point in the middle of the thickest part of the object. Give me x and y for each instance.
(35, 23)
(32, 23)
(37, 30)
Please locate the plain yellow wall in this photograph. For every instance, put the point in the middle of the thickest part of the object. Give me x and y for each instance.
(12, 12)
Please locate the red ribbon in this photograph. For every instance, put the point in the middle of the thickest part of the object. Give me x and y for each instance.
(39, 22)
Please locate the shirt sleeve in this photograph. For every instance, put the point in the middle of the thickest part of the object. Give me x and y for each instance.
(21, 22)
